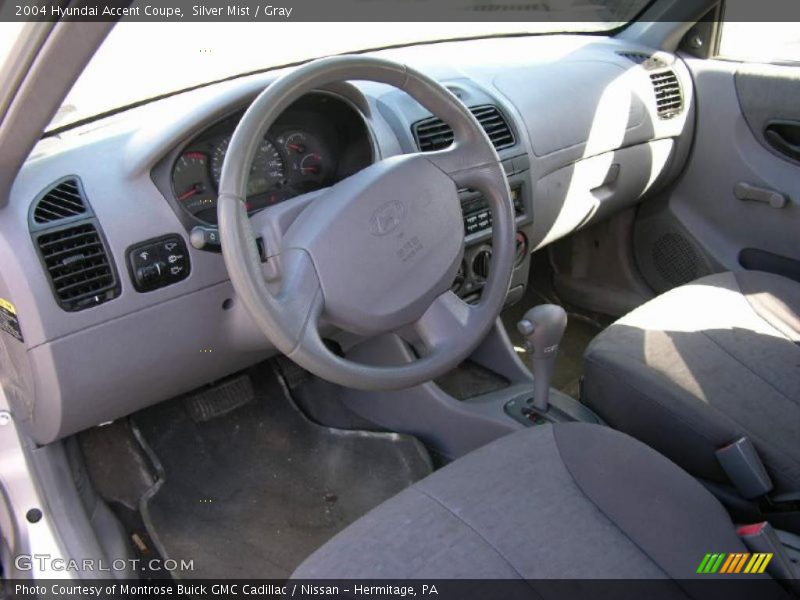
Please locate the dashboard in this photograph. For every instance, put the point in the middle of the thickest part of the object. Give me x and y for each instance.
(121, 305)
(317, 142)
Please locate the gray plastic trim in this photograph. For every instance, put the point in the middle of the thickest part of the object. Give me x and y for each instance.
(726, 151)
(449, 426)
(664, 24)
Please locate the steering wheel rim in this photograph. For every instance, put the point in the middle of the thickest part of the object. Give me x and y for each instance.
(449, 328)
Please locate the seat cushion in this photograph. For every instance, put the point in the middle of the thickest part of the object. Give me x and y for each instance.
(703, 365)
(570, 501)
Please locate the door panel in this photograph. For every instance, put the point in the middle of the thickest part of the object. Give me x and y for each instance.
(769, 96)
(738, 201)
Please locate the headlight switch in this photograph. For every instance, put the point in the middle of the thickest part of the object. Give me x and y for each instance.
(158, 262)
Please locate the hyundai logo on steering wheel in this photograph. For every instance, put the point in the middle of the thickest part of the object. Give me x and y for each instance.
(386, 218)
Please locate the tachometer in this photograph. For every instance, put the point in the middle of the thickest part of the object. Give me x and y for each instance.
(266, 173)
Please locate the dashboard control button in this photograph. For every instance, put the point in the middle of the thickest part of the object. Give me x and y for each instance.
(149, 274)
(159, 262)
(205, 238)
(176, 272)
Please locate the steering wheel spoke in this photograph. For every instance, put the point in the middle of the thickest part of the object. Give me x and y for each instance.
(271, 225)
(444, 324)
(300, 297)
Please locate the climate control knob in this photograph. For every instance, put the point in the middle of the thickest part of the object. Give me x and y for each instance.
(481, 262)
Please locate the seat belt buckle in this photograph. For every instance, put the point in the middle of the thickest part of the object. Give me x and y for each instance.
(768, 554)
(744, 468)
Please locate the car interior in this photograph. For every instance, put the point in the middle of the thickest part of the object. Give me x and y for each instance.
(467, 309)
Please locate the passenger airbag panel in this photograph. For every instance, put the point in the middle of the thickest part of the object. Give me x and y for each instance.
(568, 104)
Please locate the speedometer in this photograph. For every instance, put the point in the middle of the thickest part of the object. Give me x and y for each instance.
(266, 173)
(191, 184)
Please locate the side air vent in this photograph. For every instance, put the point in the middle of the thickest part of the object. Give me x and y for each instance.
(434, 134)
(62, 201)
(76, 260)
(648, 61)
(667, 88)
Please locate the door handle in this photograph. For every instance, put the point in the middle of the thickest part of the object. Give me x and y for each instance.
(745, 191)
(784, 136)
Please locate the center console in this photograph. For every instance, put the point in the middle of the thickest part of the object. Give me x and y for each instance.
(477, 235)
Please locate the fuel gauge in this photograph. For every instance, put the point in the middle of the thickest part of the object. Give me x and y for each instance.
(308, 160)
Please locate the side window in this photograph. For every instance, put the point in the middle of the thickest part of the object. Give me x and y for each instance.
(767, 42)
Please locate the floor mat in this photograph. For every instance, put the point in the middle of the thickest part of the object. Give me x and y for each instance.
(253, 492)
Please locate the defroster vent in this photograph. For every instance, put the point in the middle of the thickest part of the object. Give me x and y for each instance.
(648, 61)
(434, 134)
(63, 201)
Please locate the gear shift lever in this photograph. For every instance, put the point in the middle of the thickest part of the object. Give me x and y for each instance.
(543, 327)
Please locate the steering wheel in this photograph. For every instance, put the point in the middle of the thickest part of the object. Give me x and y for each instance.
(377, 252)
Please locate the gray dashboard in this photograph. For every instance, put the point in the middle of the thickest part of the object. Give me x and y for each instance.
(589, 139)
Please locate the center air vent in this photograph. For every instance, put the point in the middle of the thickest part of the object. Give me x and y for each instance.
(62, 201)
(78, 266)
(667, 88)
(434, 134)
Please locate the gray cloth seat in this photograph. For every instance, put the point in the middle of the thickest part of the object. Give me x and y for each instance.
(570, 501)
(703, 365)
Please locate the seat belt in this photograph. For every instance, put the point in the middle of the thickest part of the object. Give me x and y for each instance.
(744, 468)
(769, 555)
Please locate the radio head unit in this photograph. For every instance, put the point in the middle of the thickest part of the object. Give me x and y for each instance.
(477, 216)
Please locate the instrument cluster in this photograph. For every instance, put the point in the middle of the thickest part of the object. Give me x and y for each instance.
(303, 151)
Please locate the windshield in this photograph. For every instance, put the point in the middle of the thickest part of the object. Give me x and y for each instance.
(139, 60)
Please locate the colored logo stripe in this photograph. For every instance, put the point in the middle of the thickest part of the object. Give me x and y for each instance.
(736, 562)
(710, 563)
(726, 566)
(758, 563)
